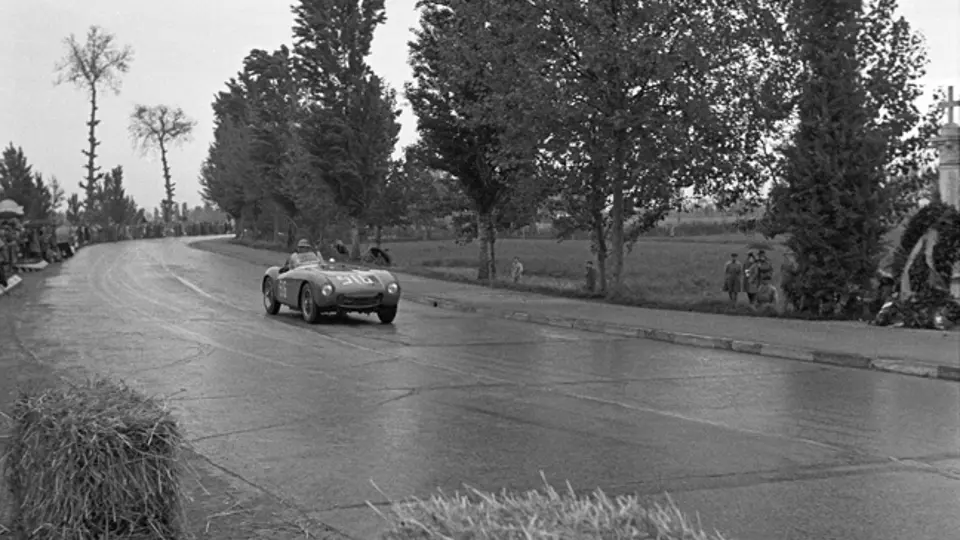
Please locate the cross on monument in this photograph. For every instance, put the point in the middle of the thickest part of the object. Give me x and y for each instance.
(949, 104)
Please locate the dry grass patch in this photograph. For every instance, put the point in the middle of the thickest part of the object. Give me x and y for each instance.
(539, 515)
(94, 460)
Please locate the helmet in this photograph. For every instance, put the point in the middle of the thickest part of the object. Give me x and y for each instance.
(304, 244)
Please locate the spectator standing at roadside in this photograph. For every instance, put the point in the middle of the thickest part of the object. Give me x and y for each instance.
(750, 282)
(516, 270)
(766, 292)
(733, 277)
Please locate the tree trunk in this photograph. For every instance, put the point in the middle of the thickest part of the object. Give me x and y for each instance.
(167, 183)
(483, 267)
(91, 154)
(616, 217)
(355, 239)
(600, 250)
(378, 235)
(491, 233)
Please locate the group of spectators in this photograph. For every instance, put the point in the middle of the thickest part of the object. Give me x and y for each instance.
(22, 244)
(755, 278)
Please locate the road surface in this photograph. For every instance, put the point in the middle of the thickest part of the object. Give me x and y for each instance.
(331, 416)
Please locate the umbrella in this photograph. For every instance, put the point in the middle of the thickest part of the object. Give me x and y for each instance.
(10, 209)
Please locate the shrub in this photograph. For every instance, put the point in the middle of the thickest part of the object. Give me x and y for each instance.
(537, 515)
(97, 460)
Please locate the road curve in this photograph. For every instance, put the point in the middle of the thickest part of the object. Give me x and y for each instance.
(317, 415)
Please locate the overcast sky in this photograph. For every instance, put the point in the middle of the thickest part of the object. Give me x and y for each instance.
(184, 52)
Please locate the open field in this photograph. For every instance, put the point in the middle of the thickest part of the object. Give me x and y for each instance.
(684, 272)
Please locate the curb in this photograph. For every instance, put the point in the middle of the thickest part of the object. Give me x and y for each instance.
(12, 282)
(887, 365)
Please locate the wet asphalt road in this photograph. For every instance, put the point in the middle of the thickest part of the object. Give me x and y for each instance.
(761, 448)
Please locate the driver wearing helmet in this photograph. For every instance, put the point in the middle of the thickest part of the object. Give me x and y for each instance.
(305, 254)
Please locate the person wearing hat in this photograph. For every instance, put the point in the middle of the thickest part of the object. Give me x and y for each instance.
(303, 255)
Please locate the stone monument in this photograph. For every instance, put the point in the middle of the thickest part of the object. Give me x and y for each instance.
(948, 144)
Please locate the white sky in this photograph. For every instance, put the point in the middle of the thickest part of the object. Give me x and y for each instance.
(184, 52)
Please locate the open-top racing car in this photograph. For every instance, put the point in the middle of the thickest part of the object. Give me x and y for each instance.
(318, 286)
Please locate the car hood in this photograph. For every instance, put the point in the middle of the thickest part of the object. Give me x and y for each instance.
(349, 280)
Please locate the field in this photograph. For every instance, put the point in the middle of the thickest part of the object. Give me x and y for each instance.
(681, 272)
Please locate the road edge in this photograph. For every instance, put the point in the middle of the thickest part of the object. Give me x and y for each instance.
(816, 356)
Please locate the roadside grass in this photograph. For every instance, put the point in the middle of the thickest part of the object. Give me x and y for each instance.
(540, 514)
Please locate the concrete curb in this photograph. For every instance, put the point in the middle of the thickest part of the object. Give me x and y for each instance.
(12, 282)
(903, 367)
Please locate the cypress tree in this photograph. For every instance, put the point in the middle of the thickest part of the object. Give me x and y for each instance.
(833, 201)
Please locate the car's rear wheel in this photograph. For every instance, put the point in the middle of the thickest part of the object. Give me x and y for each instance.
(387, 314)
(308, 308)
(269, 298)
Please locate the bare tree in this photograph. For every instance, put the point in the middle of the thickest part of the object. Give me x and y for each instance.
(94, 66)
(158, 129)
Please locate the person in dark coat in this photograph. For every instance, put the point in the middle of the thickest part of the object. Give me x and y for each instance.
(733, 277)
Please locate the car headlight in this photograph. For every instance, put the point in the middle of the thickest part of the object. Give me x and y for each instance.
(393, 288)
(326, 290)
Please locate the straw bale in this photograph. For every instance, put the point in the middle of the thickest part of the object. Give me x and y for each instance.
(94, 460)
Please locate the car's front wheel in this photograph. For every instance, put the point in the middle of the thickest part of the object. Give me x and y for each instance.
(308, 308)
(269, 298)
(387, 314)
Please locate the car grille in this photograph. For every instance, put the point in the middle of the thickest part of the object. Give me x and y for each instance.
(359, 301)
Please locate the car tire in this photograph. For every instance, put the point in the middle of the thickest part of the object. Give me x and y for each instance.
(308, 308)
(270, 303)
(387, 314)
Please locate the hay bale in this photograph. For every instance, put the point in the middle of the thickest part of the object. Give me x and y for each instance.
(97, 460)
(538, 515)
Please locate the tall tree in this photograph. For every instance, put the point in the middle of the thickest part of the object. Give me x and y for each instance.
(833, 204)
(891, 60)
(40, 205)
(114, 199)
(461, 68)
(16, 176)
(350, 124)
(229, 174)
(639, 103)
(271, 108)
(57, 195)
(94, 66)
(158, 129)
(74, 212)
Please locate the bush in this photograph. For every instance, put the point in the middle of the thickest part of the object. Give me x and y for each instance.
(536, 515)
(97, 460)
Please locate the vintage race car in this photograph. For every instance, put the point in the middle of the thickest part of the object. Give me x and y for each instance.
(330, 287)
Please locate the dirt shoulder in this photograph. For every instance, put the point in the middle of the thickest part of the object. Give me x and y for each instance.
(219, 506)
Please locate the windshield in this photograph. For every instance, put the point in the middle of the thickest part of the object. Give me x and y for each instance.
(302, 259)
